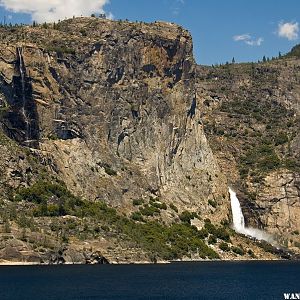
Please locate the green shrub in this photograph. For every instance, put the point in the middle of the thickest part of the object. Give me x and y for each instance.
(83, 32)
(98, 210)
(60, 50)
(187, 216)
(172, 206)
(224, 247)
(212, 203)
(267, 247)
(238, 250)
(212, 239)
(222, 233)
(219, 232)
(202, 234)
(137, 216)
(53, 137)
(269, 162)
(281, 139)
(109, 171)
(137, 202)
(159, 205)
(149, 210)
(225, 222)
(25, 222)
(251, 253)
(53, 210)
(209, 226)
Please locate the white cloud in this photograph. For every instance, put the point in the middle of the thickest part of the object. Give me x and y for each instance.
(288, 30)
(248, 39)
(53, 10)
(242, 37)
(257, 42)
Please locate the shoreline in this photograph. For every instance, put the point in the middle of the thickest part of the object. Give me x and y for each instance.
(13, 263)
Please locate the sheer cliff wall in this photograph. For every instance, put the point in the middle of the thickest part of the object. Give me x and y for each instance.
(111, 109)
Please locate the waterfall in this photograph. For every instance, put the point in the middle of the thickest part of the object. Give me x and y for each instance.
(239, 221)
(23, 85)
(237, 214)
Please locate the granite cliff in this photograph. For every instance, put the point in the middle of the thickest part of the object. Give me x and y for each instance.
(104, 154)
(110, 96)
(109, 109)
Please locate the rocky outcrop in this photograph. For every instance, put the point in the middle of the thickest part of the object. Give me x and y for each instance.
(279, 201)
(74, 256)
(110, 108)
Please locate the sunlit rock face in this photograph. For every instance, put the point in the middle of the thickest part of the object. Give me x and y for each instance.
(252, 122)
(113, 111)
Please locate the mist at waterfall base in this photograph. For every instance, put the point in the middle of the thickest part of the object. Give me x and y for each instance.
(239, 221)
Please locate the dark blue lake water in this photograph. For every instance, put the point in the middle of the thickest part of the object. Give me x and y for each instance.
(203, 280)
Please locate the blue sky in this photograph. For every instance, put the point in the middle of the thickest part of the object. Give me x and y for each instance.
(221, 29)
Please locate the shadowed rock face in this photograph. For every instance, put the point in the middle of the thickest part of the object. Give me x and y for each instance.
(114, 109)
(20, 121)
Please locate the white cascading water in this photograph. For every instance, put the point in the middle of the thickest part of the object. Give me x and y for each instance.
(237, 214)
(239, 221)
(23, 111)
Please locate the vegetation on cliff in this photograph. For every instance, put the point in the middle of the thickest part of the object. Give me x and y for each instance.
(51, 199)
(295, 52)
(251, 118)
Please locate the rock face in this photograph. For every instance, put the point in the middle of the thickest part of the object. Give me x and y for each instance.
(118, 112)
(251, 119)
(279, 196)
(110, 108)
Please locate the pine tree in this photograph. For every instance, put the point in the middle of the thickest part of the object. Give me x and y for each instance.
(233, 60)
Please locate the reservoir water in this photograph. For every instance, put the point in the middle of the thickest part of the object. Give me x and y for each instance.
(195, 280)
